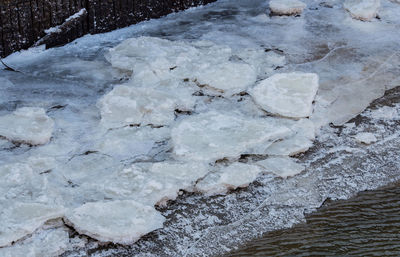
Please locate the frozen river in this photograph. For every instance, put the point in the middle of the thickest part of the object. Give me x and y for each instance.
(148, 136)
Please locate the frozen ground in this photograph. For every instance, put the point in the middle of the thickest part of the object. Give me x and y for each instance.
(177, 110)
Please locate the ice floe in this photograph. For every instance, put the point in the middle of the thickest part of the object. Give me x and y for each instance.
(129, 142)
(28, 125)
(365, 138)
(286, 7)
(364, 10)
(287, 94)
(281, 166)
(211, 136)
(173, 115)
(21, 219)
(301, 140)
(148, 183)
(48, 243)
(154, 61)
(126, 105)
(121, 222)
(233, 176)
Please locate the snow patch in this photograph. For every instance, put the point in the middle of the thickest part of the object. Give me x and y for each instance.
(365, 138)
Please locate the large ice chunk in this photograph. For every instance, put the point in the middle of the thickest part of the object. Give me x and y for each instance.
(28, 125)
(301, 140)
(287, 94)
(21, 219)
(281, 166)
(228, 78)
(364, 10)
(150, 184)
(48, 243)
(155, 61)
(234, 176)
(126, 105)
(215, 135)
(286, 7)
(121, 222)
(128, 142)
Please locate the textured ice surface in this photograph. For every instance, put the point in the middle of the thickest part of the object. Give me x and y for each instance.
(364, 10)
(126, 105)
(230, 177)
(129, 142)
(287, 94)
(365, 138)
(301, 140)
(148, 183)
(27, 125)
(21, 219)
(286, 7)
(115, 221)
(212, 136)
(154, 61)
(281, 166)
(89, 160)
(48, 243)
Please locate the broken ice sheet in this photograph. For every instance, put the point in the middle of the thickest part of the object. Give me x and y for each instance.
(211, 66)
(148, 183)
(216, 135)
(301, 140)
(126, 105)
(121, 222)
(28, 125)
(21, 219)
(281, 166)
(47, 243)
(129, 142)
(287, 94)
(228, 77)
(229, 177)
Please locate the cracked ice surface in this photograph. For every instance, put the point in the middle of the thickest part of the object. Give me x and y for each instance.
(118, 99)
(48, 243)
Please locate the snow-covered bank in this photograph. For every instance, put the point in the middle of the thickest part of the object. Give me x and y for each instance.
(177, 108)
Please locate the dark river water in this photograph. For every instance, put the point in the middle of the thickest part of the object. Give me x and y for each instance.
(366, 225)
